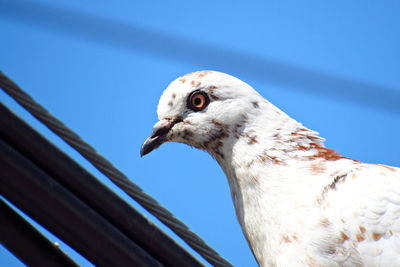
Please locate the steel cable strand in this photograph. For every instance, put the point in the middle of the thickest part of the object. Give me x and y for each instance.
(116, 176)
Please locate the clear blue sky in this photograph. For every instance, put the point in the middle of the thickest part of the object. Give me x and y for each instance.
(334, 66)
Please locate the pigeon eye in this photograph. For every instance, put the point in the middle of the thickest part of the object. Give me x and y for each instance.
(198, 100)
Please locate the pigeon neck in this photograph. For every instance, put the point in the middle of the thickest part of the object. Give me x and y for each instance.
(266, 164)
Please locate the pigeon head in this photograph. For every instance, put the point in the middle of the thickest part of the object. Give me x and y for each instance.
(203, 109)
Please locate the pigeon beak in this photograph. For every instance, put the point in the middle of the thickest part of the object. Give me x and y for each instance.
(157, 137)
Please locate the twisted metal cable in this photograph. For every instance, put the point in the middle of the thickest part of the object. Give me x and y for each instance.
(116, 176)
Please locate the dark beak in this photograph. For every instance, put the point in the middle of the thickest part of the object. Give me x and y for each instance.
(157, 137)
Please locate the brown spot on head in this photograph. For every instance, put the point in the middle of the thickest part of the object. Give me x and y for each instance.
(211, 90)
(173, 95)
(344, 237)
(376, 236)
(203, 73)
(360, 238)
(195, 83)
(255, 104)
(170, 103)
(362, 229)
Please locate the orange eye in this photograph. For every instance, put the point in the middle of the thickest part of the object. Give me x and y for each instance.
(198, 100)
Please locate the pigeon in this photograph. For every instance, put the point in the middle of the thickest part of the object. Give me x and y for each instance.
(298, 202)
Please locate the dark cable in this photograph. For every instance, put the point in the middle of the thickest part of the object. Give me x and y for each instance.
(27, 243)
(116, 176)
(60, 167)
(46, 201)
